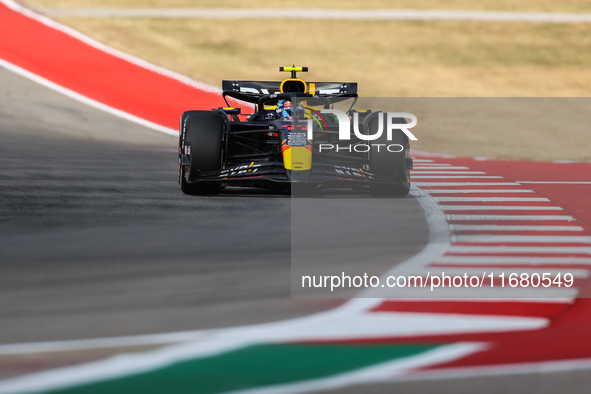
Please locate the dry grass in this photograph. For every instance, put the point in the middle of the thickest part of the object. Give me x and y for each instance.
(504, 5)
(390, 59)
(503, 128)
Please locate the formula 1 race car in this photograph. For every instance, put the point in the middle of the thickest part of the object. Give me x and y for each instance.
(295, 136)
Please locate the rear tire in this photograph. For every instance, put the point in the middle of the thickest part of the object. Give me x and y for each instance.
(390, 164)
(202, 131)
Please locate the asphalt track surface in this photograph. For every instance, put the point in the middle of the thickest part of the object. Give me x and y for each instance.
(97, 240)
(567, 382)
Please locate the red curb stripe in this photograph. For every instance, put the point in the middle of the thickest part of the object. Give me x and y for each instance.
(524, 309)
(512, 232)
(58, 56)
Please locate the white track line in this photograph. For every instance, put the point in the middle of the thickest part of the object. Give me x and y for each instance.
(85, 100)
(510, 217)
(498, 208)
(488, 238)
(476, 191)
(507, 293)
(321, 14)
(420, 172)
(423, 167)
(427, 184)
(491, 199)
(507, 270)
(456, 177)
(13, 5)
(557, 182)
(100, 343)
(493, 227)
(521, 249)
(514, 260)
(435, 164)
(429, 154)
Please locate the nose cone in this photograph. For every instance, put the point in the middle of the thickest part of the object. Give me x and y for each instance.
(297, 158)
(297, 161)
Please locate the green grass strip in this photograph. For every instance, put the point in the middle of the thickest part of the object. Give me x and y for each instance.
(250, 367)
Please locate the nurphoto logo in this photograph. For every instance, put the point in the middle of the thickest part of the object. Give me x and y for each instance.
(388, 128)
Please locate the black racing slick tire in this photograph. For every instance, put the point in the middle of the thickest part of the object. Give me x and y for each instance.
(201, 144)
(390, 163)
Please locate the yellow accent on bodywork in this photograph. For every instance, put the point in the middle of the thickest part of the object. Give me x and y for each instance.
(297, 158)
(287, 69)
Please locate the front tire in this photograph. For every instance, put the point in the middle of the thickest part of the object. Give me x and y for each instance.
(202, 133)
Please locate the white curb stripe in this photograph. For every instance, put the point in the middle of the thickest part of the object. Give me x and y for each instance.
(510, 217)
(85, 100)
(447, 172)
(557, 182)
(492, 227)
(477, 260)
(422, 184)
(507, 270)
(423, 167)
(521, 249)
(100, 343)
(478, 238)
(491, 199)
(476, 191)
(499, 208)
(455, 177)
(506, 294)
(436, 164)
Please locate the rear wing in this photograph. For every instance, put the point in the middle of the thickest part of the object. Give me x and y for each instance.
(270, 87)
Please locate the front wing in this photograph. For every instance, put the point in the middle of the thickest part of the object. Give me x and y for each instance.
(274, 172)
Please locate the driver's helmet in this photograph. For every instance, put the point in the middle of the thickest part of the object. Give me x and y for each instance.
(285, 108)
